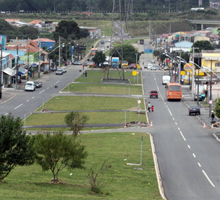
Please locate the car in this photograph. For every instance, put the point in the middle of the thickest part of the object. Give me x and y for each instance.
(149, 66)
(133, 66)
(77, 63)
(153, 93)
(59, 72)
(109, 40)
(102, 42)
(64, 69)
(29, 86)
(166, 68)
(152, 61)
(155, 67)
(194, 109)
(38, 84)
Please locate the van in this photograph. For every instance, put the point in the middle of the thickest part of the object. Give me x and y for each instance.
(165, 80)
(29, 86)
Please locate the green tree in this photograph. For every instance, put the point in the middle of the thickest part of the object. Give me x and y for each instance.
(76, 121)
(129, 53)
(16, 148)
(217, 108)
(59, 151)
(156, 52)
(203, 45)
(99, 58)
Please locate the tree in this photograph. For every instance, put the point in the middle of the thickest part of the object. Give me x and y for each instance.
(203, 45)
(99, 58)
(76, 121)
(84, 33)
(129, 53)
(217, 108)
(59, 151)
(69, 30)
(16, 148)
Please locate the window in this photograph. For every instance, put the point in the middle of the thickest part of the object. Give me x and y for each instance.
(174, 88)
(217, 64)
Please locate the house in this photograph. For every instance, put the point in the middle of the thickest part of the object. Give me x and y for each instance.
(182, 46)
(93, 31)
(45, 42)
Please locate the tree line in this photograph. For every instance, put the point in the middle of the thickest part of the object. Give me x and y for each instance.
(101, 5)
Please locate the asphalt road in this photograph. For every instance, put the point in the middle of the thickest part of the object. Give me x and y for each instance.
(188, 156)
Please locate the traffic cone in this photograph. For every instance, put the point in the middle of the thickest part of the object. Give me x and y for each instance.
(212, 127)
(151, 124)
(204, 126)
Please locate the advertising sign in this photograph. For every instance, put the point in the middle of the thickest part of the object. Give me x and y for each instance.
(188, 67)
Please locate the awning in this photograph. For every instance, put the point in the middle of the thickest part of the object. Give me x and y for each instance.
(9, 71)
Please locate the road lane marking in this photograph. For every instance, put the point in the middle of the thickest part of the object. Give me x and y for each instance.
(188, 146)
(48, 88)
(6, 114)
(194, 155)
(32, 97)
(175, 123)
(182, 136)
(18, 106)
(51, 85)
(41, 91)
(57, 82)
(178, 129)
(173, 119)
(27, 100)
(208, 178)
(199, 164)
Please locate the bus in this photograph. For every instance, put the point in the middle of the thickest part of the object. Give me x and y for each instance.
(94, 50)
(173, 91)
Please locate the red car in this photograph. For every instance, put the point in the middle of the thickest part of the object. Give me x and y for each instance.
(133, 66)
(153, 93)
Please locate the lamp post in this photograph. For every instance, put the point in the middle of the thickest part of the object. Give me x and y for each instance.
(210, 97)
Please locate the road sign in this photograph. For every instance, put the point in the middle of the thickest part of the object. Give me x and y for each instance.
(188, 67)
(134, 73)
(182, 73)
(210, 102)
(139, 101)
(148, 50)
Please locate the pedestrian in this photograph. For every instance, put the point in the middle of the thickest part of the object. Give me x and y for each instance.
(149, 106)
(212, 115)
(83, 67)
(152, 108)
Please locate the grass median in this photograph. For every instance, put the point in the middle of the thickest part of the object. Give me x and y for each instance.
(122, 181)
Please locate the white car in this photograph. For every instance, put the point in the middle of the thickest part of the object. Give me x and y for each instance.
(64, 69)
(149, 66)
(29, 86)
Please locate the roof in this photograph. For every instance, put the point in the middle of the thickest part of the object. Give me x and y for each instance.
(35, 22)
(43, 40)
(12, 20)
(184, 44)
(11, 56)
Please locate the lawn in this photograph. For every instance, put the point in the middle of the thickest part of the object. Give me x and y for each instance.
(94, 118)
(122, 180)
(63, 103)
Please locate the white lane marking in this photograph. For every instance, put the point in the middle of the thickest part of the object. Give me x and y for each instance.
(32, 97)
(188, 146)
(208, 178)
(41, 91)
(182, 136)
(51, 86)
(173, 119)
(27, 100)
(199, 164)
(194, 155)
(178, 129)
(48, 88)
(18, 106)
(57, 82)
(6, 114)
(175, 123)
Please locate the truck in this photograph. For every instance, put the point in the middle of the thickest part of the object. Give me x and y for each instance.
(201, 91)
(115, 62)
(165, 79)
(124, 64)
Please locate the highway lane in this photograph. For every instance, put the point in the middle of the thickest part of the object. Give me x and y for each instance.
(24, 103)
(187, 154)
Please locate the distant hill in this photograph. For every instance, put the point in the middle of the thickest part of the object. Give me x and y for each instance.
(98, 5)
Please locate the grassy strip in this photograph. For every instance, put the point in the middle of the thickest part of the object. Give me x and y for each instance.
(94, 118)
(104, 89)
(61, 103)
(123, 181)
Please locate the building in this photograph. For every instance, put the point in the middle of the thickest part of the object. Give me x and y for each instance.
(93, 31)
(45, 42)
(3, 40)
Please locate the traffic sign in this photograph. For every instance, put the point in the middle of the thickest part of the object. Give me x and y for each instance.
(188, 67)
(134, 73)
(139, 101)
(148, 50)
(210, 102)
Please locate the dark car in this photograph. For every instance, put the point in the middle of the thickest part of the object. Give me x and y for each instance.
(59, 72)
(77, 63)
(38, 84)
(194, 109)
(153, 93)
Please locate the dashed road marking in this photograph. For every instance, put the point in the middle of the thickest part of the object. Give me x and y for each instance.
(18, 106)
(208, 178)
(41, 91)
(194, 155)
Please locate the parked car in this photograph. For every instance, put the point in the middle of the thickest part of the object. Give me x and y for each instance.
(155, 67)
(149, 66)
(152, 61)
(38, 84)
(77, 63)
(153, 93)
(133, 66)
(64, 69)
(59, 72)
(29, 86)
(102, 42)
(194, 109)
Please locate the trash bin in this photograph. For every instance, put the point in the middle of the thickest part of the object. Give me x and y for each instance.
(86, 74)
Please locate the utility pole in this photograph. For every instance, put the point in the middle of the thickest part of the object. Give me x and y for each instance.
(39, 58)
(1, 73)
(28, 66)
(59, 52)
(17, 70)
(210, 93)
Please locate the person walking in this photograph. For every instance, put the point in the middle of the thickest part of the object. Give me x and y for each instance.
(149, 106)
(212, 115)
(152, 108)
